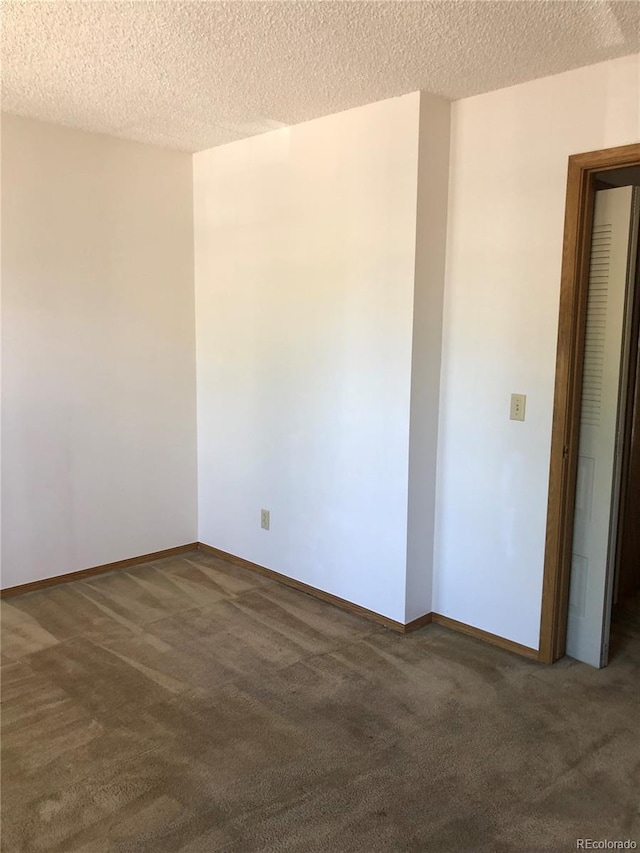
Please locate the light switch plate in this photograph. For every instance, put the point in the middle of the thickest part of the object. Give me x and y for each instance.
(518, 406)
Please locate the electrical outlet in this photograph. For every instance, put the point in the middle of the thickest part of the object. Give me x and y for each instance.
(264, 519)
(518, 405)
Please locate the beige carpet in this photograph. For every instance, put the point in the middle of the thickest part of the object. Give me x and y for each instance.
(190, 705)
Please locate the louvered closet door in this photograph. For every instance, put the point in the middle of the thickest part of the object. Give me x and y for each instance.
(598, 425)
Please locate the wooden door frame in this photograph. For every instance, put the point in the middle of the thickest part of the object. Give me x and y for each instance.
(574, 285)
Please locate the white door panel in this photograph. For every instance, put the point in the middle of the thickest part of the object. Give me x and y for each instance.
(598, 424)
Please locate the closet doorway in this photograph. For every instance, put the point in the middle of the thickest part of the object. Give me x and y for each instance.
(591, 554)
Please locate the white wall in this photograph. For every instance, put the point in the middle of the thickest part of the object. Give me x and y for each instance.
(509, 153)
(431, 237)
(315, 353)
(98, 350)
(305, 252)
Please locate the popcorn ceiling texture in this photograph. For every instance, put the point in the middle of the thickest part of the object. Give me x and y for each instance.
(198, 74)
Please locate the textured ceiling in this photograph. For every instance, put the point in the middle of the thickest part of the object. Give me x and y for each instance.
(198, 74)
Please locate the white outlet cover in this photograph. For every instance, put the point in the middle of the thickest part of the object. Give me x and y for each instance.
(518, 407)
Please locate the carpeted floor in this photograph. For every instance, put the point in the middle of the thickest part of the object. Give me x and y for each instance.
(190, 705)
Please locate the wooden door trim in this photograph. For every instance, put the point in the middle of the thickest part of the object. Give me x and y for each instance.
(568, 389)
